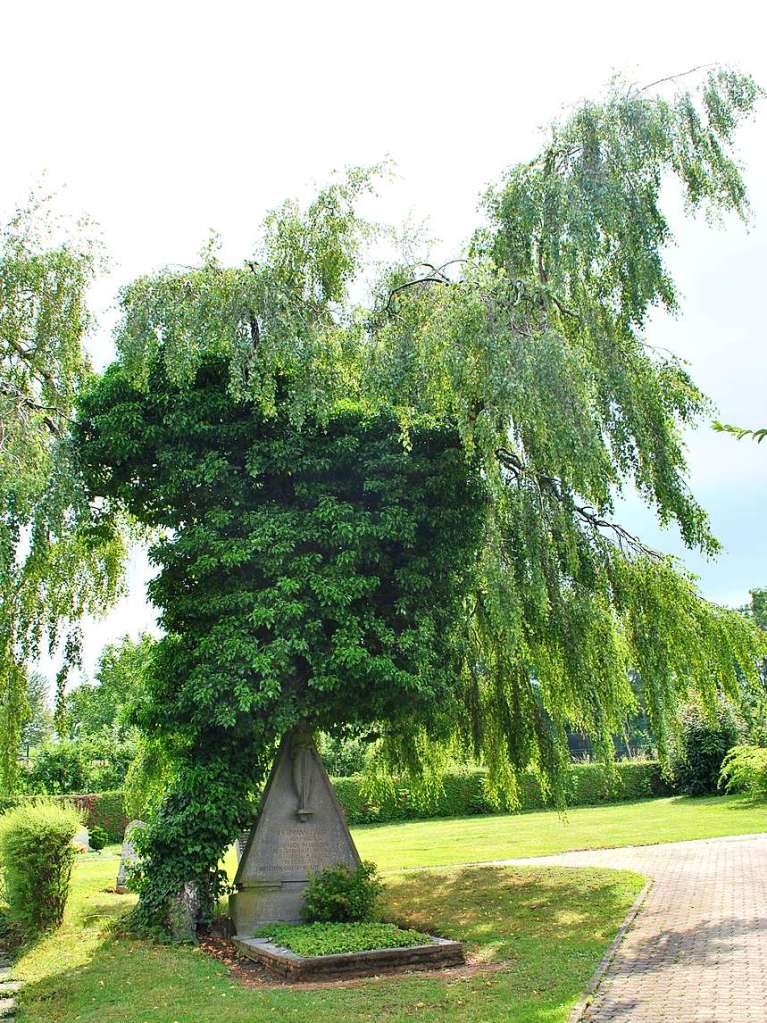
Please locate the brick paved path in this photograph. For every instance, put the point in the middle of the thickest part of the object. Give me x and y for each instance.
(697, 951)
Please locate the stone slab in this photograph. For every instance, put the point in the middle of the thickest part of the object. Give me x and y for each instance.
(300, 829)
(128, 854)
(10, 987)
(83, 838)
(440, 953)
(7, 1007)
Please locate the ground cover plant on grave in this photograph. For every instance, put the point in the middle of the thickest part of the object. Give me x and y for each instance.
(392, 518)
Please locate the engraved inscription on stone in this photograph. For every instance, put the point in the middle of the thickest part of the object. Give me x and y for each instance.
(300, 829)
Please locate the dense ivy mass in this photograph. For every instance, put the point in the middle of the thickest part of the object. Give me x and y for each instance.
(342, 564)
(312, 577)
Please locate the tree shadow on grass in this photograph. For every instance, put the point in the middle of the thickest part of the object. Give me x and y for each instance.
(548, 927)
(495, 909)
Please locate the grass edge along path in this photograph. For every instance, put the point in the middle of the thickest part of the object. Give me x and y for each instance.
(539, 931)
(469, 840)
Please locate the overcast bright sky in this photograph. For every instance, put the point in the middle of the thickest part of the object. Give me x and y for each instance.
(165, 119)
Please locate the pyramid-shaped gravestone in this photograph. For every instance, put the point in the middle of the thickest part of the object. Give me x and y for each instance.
(300, 829)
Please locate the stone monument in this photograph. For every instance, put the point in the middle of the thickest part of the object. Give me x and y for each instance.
(82, 839)
(300, 829)
(128, 855)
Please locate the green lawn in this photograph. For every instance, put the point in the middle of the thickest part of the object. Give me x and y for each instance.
(548, 927)
(540, 833)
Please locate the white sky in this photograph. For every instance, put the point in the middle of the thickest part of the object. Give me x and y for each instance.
(165, 119)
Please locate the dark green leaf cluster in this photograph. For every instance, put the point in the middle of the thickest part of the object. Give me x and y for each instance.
(342, 895)
(312, 576)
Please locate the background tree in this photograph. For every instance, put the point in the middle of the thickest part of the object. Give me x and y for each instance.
(58, 560)
(104, 704)
(99, 742)
(38, 726)
(527, 360)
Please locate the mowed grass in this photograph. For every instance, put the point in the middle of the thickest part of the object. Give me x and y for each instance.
(540, 931)
(536, 933)
(541, 833)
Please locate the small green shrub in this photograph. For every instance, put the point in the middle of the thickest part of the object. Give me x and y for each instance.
(334, 939)
(37, 853)
(341, 895)
(744, 769)
(701, 748)
(97, 838)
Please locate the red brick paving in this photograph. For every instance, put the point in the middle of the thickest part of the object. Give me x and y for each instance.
(697, 950)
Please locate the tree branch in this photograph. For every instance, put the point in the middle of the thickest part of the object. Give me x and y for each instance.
(673, 78)
(25, 401)
(586, 513)
(413, 284)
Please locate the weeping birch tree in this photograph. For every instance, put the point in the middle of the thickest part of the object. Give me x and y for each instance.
(279, 433)
(57, 560)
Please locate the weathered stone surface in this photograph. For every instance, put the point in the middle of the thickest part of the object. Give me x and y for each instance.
(184, 913)
(281, 962)
(301, 829)
(10, 987)
(7, 1007)
(128, 854)
(82, 838)
(240, 844)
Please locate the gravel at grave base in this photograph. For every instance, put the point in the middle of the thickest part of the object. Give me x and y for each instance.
(250, 974)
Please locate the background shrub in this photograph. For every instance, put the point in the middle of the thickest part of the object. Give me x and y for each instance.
(98, 809)
(744, 769)
(464, 792)
(340, 895)
(462, 795)
(97, 838)
(92, 763)
(37, 854)
(701, 747)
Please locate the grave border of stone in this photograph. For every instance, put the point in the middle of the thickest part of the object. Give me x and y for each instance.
(280, 962)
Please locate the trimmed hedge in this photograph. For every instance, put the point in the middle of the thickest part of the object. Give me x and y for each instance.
(37, 856)
(100, 809)
(463, 794)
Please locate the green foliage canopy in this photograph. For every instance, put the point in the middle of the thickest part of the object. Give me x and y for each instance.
(256, 411)
(56, 562)
(103, 705)
(310, 577)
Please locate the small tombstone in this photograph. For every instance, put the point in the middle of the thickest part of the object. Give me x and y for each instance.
(128, 855)
(300, 829)
(184, 913)
(82, 839)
